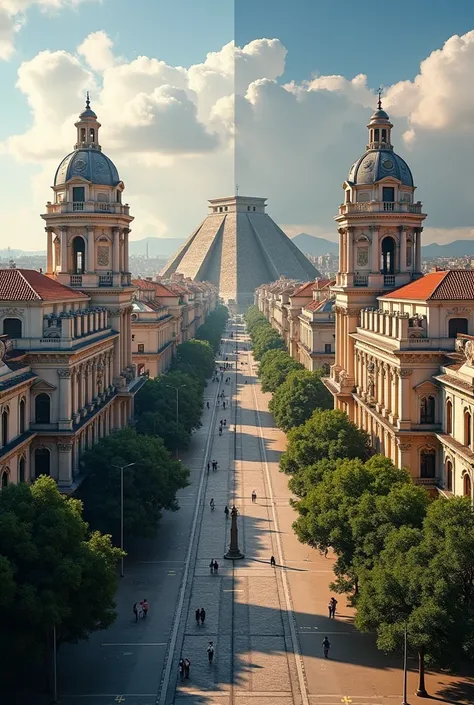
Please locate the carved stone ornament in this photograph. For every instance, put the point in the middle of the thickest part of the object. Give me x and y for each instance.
(404, 446)
(64, 447)
(362, 256)
(405, 373)
(469, 352)
(12, 311)
(103, 252)
(64, 374)
(459, 311)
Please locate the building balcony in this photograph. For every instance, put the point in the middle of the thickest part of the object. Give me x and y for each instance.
(379, 207)
(95, 281)
(87, 207)
(428, 481)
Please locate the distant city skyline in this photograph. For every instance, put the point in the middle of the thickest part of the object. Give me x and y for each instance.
(186, 116)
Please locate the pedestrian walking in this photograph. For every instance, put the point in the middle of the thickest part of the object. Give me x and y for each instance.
(326, 646)
(135, 611)
(211, 566)
(330, 609)
(218, 402)
(254, 497)
(223, 404)
(207, 404)
(208, 467)
(272, 561)
(333, 606)
(210, 652)
(202, 615)
(225, 422)
(226, 511)
(145, 607)
(220, 431)
(216, 566)
(187, 666)
(198, 616)
(181, 668)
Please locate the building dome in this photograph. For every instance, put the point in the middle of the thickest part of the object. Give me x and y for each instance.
(91, 164)
(375, 164)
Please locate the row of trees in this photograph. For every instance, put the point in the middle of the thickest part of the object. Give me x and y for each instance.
(58, 564)
(403, 560)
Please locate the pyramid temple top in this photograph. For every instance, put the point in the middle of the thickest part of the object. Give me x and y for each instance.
(237, 204)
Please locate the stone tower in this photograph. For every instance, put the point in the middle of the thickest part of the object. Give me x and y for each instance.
(379, 243)
(87, 228)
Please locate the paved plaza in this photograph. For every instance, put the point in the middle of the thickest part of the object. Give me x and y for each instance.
(267, 623)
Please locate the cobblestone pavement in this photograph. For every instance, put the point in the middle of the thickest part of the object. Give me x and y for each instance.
(266, 623)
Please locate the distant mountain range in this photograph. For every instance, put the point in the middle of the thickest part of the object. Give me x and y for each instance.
(457, 248)
(311, 245)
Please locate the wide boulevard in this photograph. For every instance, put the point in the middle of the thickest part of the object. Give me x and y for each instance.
(267, 623)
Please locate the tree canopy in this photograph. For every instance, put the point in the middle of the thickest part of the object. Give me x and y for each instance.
(274, 368)
(266, 338)
(326, 434)
(212, 328)
(297, 397)
(52, 572)
(150, 485)
(195, 355)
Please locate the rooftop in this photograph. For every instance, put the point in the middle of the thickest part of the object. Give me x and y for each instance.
(30, 285)
(449, 285)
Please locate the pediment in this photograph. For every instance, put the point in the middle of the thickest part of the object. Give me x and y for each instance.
(43, 386)
(389, 180)
(427, 387)
(78, 180)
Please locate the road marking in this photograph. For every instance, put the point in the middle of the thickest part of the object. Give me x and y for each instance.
(346, 700)
(289, 606)
(138, 643)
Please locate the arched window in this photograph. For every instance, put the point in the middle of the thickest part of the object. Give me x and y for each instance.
(22, 414)
(427, 410)
(5, 427)
(467, 486)
(42, 408)
(78, 255)
(5, 478)
(457, 326)
(376, 134)
(21, 470)
(467, 429)
(449, 475)
(384, 135)
(12, 327)
(388, 255)
(449, 417)
(42, 462)
(428, 463)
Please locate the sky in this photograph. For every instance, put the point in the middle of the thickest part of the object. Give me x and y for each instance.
(195, 96)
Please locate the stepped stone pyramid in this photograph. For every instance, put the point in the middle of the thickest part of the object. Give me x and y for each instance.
(238, 247)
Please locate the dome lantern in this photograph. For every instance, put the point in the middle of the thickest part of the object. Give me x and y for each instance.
(380, 128)
(87, 128)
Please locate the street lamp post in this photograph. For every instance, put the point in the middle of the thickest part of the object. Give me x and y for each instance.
(176, 389)
(122, 468)
(404, 701)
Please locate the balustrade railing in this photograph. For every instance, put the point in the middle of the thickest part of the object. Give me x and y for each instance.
(361, 280)
(76, 279)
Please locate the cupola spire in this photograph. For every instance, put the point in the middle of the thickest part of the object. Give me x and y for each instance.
(380, 127)
(87, 128)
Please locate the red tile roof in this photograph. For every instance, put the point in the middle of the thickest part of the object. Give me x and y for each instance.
(305, 289)
(450, 285)
(160, 289)
(30, 285)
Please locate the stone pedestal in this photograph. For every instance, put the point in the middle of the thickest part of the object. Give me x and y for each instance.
(233, 553)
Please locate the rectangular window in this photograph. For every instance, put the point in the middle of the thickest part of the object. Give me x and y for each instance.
(141, 347)
(78, 194)
(388, 194)
(327, 347)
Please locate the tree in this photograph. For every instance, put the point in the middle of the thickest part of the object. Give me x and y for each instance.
(353, 508)
(295, 400)
(213, 327)
(424, 580)
(265, 339)
(150, 485)
(274, 368)
(304, 480)
(198, 355)
(254, 318)
(52, 573)
(326, 434)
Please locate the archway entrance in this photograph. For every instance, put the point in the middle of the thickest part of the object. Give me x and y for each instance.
(467, 485)
(449, 475)
(388, 256)
(78, 255)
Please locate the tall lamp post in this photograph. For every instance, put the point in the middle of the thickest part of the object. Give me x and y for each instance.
(122, 468)
(176, 389)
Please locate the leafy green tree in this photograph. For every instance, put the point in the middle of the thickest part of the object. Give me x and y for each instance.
(213, 327)
(52, 572)
(274, 368)
(266, 339)
(295, 400)
(305, 479)
(150, 485)
(353, 508)
(254, 318)
(198, 355)
(326, 434)
(424, 580)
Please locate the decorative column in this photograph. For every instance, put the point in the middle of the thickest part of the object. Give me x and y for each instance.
(125, 249)
(64, 463)
(403, 248)
(418, 232)
(90, 249)
(404, 454)
(94, 379)
(404, 399)
(89, 383)
(128, 335)
(116, 249)
(63, 246)
(233, 553)
(65, 420)
(387, 390)
(374, 250)
(49, 252)
(73, 393)
(350, 249)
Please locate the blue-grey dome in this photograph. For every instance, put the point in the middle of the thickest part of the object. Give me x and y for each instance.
(88, 112)
(375, 164)
(379, 114)
(91, 164)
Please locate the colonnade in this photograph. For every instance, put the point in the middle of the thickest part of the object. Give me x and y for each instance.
(386, 386)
